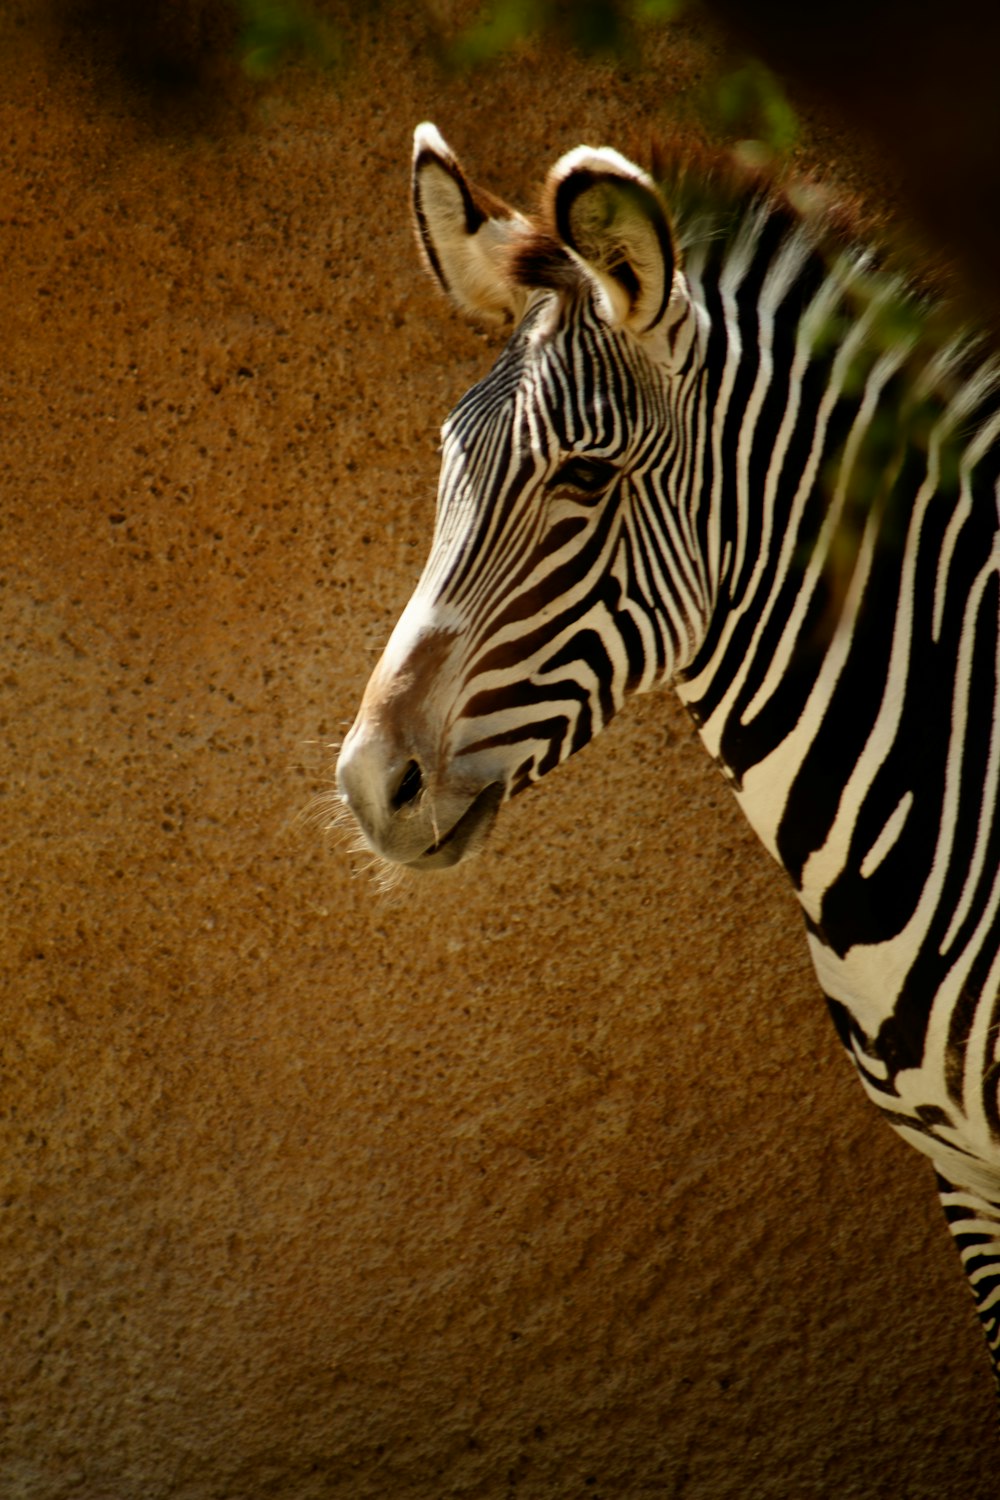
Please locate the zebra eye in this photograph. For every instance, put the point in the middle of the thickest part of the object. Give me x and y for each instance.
(591, 475)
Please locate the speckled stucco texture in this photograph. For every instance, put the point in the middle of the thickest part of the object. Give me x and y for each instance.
(543, 1178)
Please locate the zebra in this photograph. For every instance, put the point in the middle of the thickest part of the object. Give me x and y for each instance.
(723, 449)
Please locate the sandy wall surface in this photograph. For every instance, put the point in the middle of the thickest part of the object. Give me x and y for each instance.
(545, 1178)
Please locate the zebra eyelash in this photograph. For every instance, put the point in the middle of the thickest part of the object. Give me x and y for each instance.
(588, 476)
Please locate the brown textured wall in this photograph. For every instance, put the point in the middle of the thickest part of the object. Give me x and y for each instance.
(502, 1187)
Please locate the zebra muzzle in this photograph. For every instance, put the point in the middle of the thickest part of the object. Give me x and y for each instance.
(424, 819)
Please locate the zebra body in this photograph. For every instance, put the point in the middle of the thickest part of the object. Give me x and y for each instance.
(737, 459)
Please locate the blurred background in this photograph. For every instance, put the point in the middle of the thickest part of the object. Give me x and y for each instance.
(545, 1177)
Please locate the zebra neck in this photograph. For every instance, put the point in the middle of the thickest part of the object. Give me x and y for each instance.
(847, 686)
(854, 630)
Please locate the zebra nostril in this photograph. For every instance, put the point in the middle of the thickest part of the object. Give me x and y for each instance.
(409, 786)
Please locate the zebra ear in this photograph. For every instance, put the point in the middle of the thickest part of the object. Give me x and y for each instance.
(464, 232)
(609, 214)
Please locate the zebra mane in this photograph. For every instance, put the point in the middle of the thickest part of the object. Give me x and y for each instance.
(710, 190)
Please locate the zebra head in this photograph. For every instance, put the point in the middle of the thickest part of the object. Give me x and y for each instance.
(563, 573)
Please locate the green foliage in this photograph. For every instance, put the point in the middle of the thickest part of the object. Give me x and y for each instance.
(497, 32)
(591, 26)
(746, 101)
(750, 101)
(275, 32)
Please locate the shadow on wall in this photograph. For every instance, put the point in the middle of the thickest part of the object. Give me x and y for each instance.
(167, 57)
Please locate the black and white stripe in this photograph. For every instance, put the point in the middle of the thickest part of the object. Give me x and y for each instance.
(785, 499)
